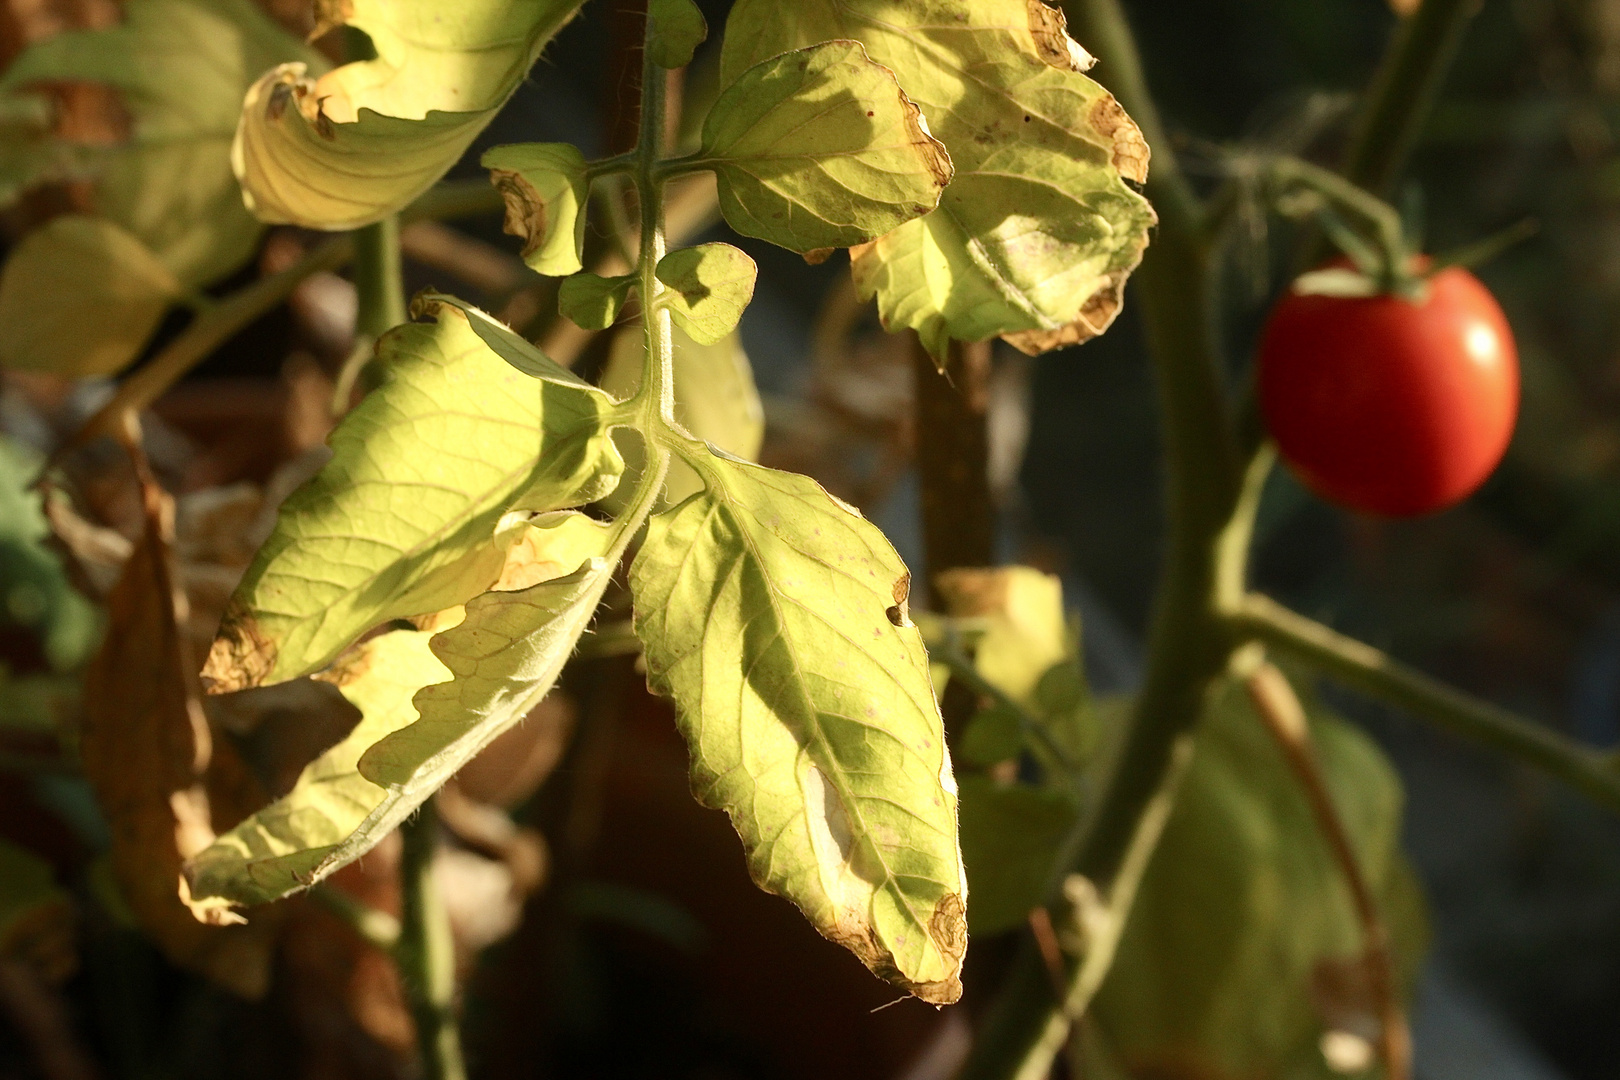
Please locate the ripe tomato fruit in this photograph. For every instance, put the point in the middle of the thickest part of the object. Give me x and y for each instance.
(1391, 406)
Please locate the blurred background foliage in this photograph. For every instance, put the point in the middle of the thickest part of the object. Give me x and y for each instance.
(648, 952)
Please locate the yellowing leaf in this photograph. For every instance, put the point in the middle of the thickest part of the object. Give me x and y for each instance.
(360, 142)
(429, 701)
(593, 302)
(545, 188)
(710, 286)
(676, 29)
(715, 399)
(1243, 905)
(1038, 231)
(1025, 634)
(181, 67)
(771, 613)
(80, 296)
(405, 518)
(819, 148)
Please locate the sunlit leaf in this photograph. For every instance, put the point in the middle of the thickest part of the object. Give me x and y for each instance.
(710, 286)
(80, 296)
(181, 67)
(1024, 628)
(151, 759)
(500, 338)
(545, 189)
(407, 517)
(593, 302)
(715, 399)
(774, 616)
(361, 141)
(1038, 231)
(1243, 908)
(429, 701)
(819, 149)
(676, 29)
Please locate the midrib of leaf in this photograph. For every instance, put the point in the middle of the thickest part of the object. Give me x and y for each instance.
(833, 766)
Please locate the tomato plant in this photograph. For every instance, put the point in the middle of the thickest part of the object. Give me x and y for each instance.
(1388, 404)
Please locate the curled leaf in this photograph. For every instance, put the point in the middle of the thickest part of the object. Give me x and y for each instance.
(352, 146)
(1039, 230)
(710, 286)
(545, 188)
(819, 148)
(762, 605)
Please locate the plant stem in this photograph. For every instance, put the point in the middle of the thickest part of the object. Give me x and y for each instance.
(378, 278)
(426, 952)
(376, 927)
(951, 422)
(1375, 673)
(658, 381)
(963, 669)
(1403, 92)
(1280, 710)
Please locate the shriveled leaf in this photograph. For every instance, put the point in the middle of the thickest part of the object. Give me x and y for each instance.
(148, 753)
(545, 188)
(774, 616)
(715, 399)
(1243, 907)
(405, 519)
(710, 286)
(36, 914)
(79, 297)
(677, 28)
(359, 142)
(819, 148)
(593, 302)
(429, 701)
(1011, 834)
(181, 68)
(1038, 231)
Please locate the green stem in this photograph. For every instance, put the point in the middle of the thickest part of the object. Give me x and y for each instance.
(1373, 672)
(962, 668)
(1403, 92)
(378, 278)
(375, 927)
(658, 379)
(426, 952)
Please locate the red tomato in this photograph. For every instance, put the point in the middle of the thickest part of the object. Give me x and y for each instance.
(1390, 406)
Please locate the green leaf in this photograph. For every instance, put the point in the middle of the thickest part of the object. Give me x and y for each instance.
(774, 616)
(677, 28)
(364, 140)
(819, 149)
(429, 702)
(711, 285)
(79, 297)
(1243, 917)
(546, 189)
(1010, 837)
(520, 353)
(991, 736)
(593, 302)
(407, 516)
(715, 399)
(182, 67)
(1038, 231)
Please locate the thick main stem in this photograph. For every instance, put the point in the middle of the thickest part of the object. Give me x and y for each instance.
(426, 952)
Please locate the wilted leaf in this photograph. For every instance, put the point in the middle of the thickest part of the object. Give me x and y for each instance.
(358, 143)
(715, 399)
(1010, 838)
(79, 297)
(593, 302)
(148, 753)
(470, 680)
(1038, 231)
(764, 607)
(406, 519)
(1243, 903)
(545, 189)
(182, 67)
(819, 148)
(36, 915)
(710, 286)
(676, 29)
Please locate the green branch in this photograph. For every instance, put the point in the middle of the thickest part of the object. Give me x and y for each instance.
(1373, 672)
(426, 952)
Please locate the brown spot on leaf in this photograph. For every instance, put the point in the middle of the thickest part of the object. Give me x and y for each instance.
(1096, 315)
(900, 613)
(525, 209)
(1131, 152)
(817, 256)
(1053, 44)
(241, 655)
(934, 155)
